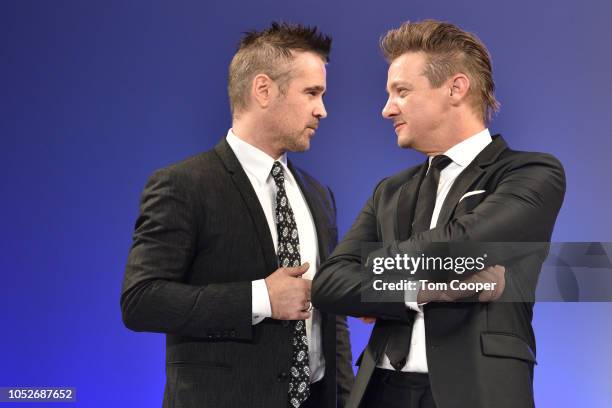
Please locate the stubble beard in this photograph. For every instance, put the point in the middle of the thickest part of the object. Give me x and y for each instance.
(297, 142)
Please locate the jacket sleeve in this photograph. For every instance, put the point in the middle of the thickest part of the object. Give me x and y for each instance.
(155, 295)
(523, 207)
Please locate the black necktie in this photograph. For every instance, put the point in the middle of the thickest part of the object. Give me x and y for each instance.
(398, 346)
(427, 194)
(289, 256)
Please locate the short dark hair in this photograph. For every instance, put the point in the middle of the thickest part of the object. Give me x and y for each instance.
(448, 50)
(270, 52)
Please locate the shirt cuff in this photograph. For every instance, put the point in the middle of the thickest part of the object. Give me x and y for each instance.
(260, 301)
(413, 305)
(410, 300)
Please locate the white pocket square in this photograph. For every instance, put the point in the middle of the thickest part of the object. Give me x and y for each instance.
(471, 193)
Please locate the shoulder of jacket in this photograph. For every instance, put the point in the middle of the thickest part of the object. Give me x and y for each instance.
(521, 158)
(190, 168)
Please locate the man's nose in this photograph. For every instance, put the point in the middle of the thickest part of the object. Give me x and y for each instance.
(320, 111)
(389, 110)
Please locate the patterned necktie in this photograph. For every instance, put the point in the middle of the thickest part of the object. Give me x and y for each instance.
(398, 346)
(289, 256)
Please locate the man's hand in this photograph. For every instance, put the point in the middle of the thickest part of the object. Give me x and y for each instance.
(367, 320)
(492, 275)
(289, 293)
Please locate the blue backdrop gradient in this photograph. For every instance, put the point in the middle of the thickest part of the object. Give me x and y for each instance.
(95, 95)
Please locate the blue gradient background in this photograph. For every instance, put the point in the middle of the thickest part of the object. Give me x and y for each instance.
(95, 95)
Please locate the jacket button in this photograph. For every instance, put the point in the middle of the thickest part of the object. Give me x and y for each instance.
(285, 323)
(283, 376)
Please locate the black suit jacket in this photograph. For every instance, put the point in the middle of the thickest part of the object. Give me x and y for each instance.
(200, 239)
(479, 355)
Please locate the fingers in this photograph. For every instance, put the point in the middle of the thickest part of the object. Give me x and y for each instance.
(289, 293)
(302, 315)
(304, 286)
(493, 274)
(492, 277)
(297, 315)
(499, 269)
(486, 296)
(306, 305)
(486, 275)
(297, 271)
(308, 285)
(501, 281)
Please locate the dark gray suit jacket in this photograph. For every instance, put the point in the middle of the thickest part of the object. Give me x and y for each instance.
(200, 239)
(479, 355)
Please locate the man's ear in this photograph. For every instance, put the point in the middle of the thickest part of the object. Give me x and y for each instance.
(262, 90)
(459, 86)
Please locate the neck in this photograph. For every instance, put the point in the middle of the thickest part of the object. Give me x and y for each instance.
(252, 132)
(455, 133)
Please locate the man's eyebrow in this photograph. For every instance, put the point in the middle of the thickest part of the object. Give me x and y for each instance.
(316, 88)
(398, 84)
(402, 84)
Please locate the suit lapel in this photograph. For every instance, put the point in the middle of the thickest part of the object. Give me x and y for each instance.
(406, 203)
(461, 184)
(250, 200)
(469, 176)
(318, 214)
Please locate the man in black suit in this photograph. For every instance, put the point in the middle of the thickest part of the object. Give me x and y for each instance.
(227, 243)
(438, 350)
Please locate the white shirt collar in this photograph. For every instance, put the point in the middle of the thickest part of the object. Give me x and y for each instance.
(255, 161)
(464, 152)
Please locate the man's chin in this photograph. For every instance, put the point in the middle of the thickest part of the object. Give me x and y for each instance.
(299, 146)
(404, 142)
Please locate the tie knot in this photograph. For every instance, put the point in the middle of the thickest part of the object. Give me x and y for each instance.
(277, 173)
(440, 162)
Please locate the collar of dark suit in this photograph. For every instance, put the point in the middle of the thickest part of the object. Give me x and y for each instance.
(231, 163)
(227, 156)
(490, 153)
(487, 156)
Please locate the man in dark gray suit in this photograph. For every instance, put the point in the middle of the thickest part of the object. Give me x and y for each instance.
(227, 243)
(437, 351)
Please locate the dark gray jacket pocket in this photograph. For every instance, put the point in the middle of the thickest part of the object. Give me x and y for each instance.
(506, 345)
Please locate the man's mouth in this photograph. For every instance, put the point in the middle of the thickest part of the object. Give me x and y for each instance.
(397, 125)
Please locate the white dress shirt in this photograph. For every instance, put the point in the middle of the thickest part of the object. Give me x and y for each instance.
(461, 154)
(257, 166)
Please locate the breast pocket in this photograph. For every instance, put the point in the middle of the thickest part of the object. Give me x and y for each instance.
(469, 202)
